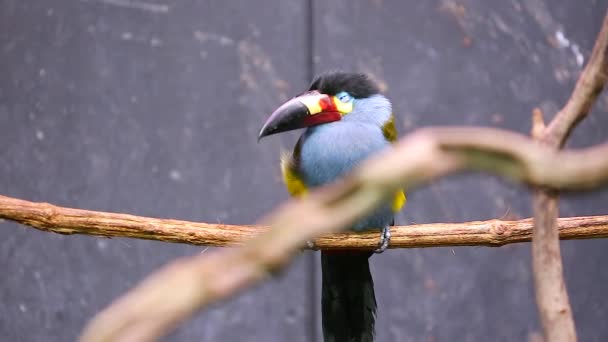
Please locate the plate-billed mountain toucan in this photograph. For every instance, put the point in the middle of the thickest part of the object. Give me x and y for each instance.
(346, 120)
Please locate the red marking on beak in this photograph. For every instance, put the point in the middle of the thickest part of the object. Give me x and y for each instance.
(329, 113)
(323, 117)
(327, 104)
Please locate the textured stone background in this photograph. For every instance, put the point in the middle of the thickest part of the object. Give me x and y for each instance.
(152, 108)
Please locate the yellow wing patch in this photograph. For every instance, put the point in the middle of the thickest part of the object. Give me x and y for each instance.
(390, 133)
(399, 201)
(293, 182)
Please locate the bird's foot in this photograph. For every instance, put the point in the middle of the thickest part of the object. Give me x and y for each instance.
(385, 239)
(311, 245)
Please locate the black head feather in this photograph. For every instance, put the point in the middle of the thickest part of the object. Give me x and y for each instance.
(357, 85)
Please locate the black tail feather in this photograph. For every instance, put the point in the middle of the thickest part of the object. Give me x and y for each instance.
(348, 299)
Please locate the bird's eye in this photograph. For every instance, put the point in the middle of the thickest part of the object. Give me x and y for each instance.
(344, 97)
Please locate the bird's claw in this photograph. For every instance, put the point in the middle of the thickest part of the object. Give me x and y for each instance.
(385, 238)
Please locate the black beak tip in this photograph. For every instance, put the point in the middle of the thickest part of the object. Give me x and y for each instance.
(263, 133)
(286, 118)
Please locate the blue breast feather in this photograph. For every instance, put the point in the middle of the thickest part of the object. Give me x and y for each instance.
(331, 150)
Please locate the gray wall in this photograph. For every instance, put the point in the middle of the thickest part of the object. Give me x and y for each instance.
(152, 108)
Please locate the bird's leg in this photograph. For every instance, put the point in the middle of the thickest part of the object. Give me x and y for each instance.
(385, 238)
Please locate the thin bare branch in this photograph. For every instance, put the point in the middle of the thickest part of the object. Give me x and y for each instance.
(153, 309)
(538, 123)
(550, 287)
(587, 89)
(493, 233)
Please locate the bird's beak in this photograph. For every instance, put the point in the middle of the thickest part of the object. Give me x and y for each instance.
(309, 109)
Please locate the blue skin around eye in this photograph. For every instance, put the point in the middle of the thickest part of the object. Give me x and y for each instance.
(344, 97)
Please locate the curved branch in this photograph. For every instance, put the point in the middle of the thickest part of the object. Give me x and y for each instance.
(178, 290)
(183, 287)
(493, 233)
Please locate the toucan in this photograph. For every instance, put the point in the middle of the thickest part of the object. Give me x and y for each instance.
(346, 120)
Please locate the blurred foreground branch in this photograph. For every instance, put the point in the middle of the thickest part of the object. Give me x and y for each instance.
(50, 218)
(183, 287)
(550, 287)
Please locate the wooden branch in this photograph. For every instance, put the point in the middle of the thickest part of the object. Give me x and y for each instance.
(494, 233)
(183, 287)
(550, 287)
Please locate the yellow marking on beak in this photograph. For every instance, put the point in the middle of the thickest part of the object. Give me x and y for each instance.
(343, 108)
(312, 103)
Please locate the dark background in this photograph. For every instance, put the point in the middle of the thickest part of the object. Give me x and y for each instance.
(152, 108)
